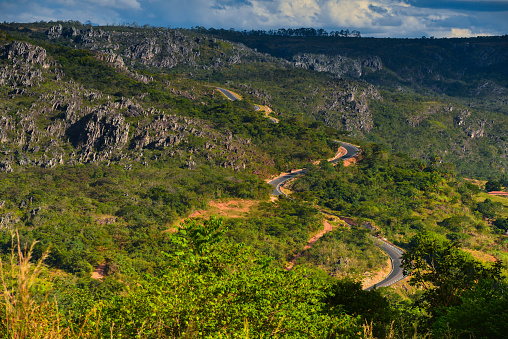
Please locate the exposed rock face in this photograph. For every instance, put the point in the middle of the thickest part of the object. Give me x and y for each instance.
(338, 65)
(117, 61)
(21, 69)
(96, 127)
(26, 52)
(5, 166)
(347, 108)
(419, 117)
(101, 131)
(472, 125)
(460, 119)
(161, 48)
(177, 133)
(114, 59)
(55, 32)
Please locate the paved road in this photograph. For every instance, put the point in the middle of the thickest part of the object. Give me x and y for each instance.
(396, 274)
(277, 182)
(393, 252)
(227, 93)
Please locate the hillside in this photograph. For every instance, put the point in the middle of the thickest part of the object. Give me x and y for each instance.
(118, 148)
(447, 95)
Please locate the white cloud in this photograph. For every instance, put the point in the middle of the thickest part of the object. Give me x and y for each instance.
(305, 12)
(31, 11)
(460, 32)
(381, 18)
(118, 4)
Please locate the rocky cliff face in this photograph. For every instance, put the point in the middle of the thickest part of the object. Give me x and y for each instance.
(23, 63)
(63, 122)
(159, 47)
(45, 121)
(338, 65)
(346, 107)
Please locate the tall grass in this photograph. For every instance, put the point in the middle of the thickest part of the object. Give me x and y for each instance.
(23, 314)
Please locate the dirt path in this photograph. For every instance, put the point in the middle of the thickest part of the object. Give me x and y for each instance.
(327, 227)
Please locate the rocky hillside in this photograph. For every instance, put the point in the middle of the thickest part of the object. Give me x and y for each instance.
(46, 121)
(104, 87)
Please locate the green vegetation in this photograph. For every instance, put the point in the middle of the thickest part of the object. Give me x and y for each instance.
(102, 161)
(452, 282)
(212, 288)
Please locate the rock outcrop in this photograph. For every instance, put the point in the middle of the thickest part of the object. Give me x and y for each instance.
(24, 64)
(337, 64)
(346, 107)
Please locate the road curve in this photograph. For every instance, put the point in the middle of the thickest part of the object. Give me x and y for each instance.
(277, 182)
(396, 273)
(393, 252)
(228, 94)
(351, 151)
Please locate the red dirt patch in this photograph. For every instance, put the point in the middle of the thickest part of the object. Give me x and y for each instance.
(327, 227)
(100, 272)
(234, 208)
(350, 161)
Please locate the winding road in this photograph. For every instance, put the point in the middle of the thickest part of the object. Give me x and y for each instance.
(393, 252)
(396, 273)
(352, 151)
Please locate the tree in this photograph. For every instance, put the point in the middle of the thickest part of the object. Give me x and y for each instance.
(492, 186)
(501, 224)
(443, 271)
(348, 295)
(216, 289)
(488, 208)
(482, 313)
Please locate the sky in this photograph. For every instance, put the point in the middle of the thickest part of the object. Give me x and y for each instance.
(373, 18)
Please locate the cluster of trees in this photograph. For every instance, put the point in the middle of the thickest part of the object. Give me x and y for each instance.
(284, 32)
(279, 229)
(496, 185)
(345, 252)
(462, 296)
(91, 214)
(396, 193)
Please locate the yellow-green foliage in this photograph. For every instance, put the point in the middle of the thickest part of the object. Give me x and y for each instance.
(22, 313)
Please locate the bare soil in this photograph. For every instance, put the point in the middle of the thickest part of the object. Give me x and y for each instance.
(100, 272)
(327, 227)
(374, 277)
(234, 208)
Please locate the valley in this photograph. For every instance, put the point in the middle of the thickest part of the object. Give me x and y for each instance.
(135, 199)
